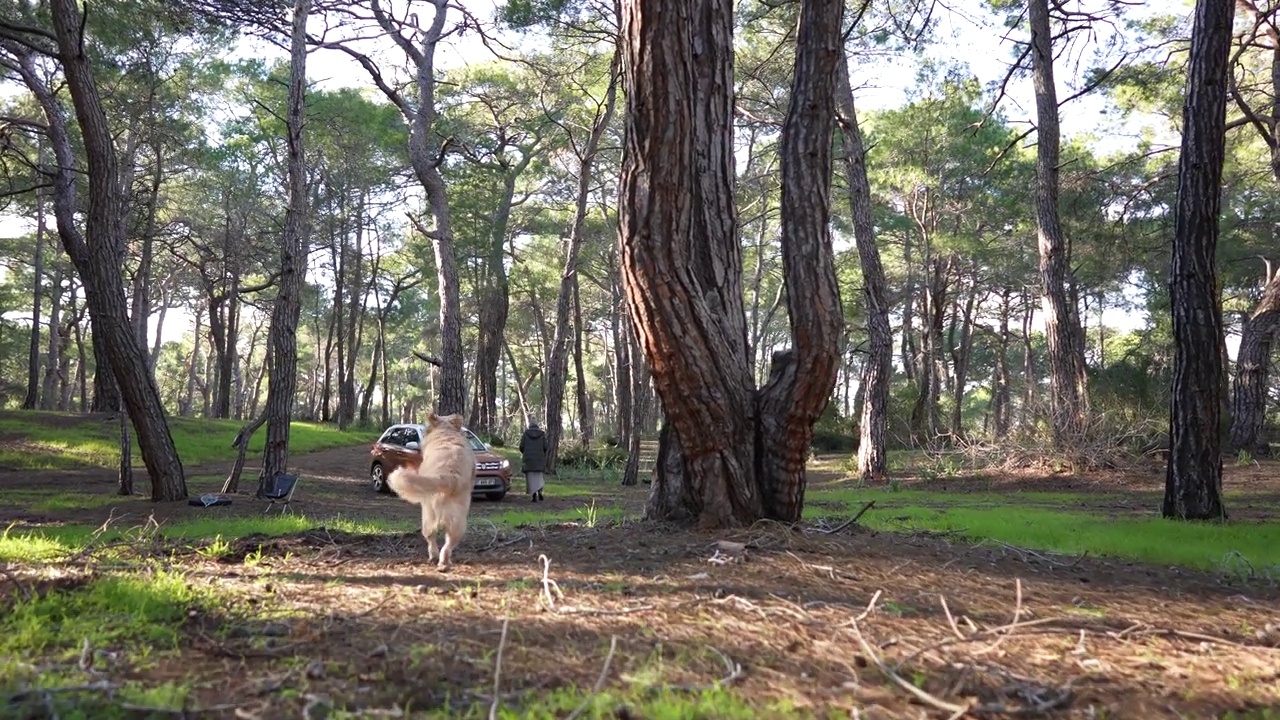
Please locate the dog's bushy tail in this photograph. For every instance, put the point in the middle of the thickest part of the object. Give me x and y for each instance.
(413, 486)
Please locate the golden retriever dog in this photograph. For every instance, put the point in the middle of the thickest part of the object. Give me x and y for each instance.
(441, 484)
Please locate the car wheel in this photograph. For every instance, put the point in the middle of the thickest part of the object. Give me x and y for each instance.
(495, 496)
(379, 477)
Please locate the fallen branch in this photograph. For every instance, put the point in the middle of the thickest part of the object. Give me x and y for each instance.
(871, 606)
(934, 702)
(548, 584)
(850, 521)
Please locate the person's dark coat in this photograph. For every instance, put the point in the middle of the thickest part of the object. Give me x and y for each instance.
(533, 450)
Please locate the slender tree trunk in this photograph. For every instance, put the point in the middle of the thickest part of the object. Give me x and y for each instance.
(57, 340)
(125, 485)
(186, 407)
(1027, 416)
(283, 380)
(1000, 376)
(31, 400)
(1193, 481)
(877, 373)
(1068, 390)
(557, 365)
(586, 404)
(493, 312)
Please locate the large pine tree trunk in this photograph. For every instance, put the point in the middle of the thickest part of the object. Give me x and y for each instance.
(283, 379)
(1193, 481)
(877, 373)
(98, 255)
(682, 264)
(1068, 391)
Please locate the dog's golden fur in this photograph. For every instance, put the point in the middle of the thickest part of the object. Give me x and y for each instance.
(441, 484)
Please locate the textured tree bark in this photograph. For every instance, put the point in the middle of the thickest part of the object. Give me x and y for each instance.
(1068, 390)
(283, 379)
(98, 254)
(1193, 480)
(682, 264)
(876, 374)
(680, 259)
(801, 380)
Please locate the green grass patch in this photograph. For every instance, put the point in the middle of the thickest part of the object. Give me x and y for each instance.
(111, 611)
(590, 514)
(1235, 547)
(54, 543)
(710, 704)
(59, 441)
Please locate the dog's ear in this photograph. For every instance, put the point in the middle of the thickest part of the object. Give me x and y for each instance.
(456, 421)
(432, 419)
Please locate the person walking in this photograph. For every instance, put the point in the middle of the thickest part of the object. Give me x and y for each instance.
(533, 455)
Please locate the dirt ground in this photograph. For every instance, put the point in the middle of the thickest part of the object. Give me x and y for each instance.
(851, 623)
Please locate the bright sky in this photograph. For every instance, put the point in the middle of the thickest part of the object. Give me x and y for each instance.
(969, 37)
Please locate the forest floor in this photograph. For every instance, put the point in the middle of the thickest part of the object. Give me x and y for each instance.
(574, 603)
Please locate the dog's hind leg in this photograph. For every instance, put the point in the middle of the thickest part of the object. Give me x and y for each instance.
(429, 530)
(454, 529)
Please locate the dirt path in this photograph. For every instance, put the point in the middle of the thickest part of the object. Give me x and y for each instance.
(334, 483)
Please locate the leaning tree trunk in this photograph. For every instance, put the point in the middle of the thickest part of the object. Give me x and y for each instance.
(283, 380)
(877, 373)
(1193, 481)
(682, 265)
(99, 253)
(801, 380)
(1068, 391)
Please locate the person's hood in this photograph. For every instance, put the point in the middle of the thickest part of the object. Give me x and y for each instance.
(534, 432)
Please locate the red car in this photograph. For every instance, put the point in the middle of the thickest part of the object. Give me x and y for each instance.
(401, 445)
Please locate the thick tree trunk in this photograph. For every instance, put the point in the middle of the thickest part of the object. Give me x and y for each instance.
(682, 264)
(680, 257)
(1068, 391)
(1193, 481)
(877, 373)
(99, 254)
(283, 379)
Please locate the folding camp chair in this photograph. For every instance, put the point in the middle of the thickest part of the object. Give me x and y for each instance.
(281, 491)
